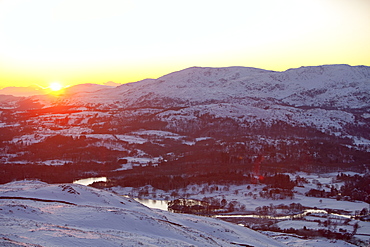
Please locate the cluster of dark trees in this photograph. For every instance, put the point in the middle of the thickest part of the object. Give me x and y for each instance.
(355, 187)
(276, 193)
(191, 206)
(319, 233)
(206, 206)
(155, 176)
(173, 182)
(66, 173)
(279, 180)
(270, 225)
(74, 149)
(288, 209)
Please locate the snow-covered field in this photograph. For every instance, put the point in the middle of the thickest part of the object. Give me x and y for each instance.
(34, 213)
(297, 241)
(248, 195)
(38, 214)
(332, 99)
(244, 193)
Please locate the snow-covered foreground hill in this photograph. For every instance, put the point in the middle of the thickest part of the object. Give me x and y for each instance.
(34, 213)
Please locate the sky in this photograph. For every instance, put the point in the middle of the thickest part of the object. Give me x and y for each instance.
(96, 41)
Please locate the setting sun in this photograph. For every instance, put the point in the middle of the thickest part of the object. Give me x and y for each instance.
(55, 86)
(114, 44)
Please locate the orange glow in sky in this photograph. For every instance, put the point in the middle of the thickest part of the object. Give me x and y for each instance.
(96, 41)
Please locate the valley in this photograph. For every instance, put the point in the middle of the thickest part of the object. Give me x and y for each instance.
(268, 208)
(240, 140)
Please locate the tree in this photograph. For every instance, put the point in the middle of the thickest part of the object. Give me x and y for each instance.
(223, 202)
(364, 211)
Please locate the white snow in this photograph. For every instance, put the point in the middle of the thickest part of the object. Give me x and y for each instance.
(337, 85)
(159, 133)
(131, 139)
(306, 96)
(139, 161)
(240, 193)
(76, 215)
(297, 241)
(54, 162)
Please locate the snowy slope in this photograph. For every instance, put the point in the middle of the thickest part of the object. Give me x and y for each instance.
(38, 214)
(340, 86)
(320, 85)
(85, 88)
(321, 96)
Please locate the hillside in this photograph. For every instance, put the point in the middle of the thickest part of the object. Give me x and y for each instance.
(38, 214)
(194, 121)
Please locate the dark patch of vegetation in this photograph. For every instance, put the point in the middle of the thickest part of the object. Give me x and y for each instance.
(230, 153)
(75, 149)
(355, 187)
(66, 173)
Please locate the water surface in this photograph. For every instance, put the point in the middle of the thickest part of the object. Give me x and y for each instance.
(88, 181)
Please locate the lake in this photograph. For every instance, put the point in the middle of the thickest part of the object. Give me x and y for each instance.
(88, 181)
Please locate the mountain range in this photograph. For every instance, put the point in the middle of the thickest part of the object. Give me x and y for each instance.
(309, 118)
(195, 126)
(333, 86)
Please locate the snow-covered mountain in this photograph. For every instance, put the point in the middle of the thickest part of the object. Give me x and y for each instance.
(339, 86)
(85, 88)
(327, 97)
(202, 125)
(34, 213)
(300, 118)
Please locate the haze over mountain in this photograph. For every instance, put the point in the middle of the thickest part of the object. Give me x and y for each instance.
(21, 91)
(35, 90)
